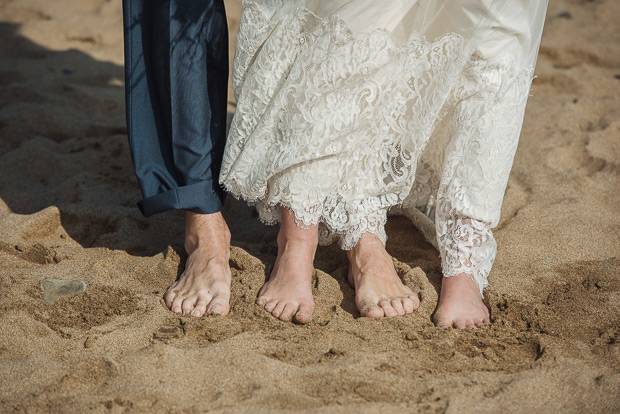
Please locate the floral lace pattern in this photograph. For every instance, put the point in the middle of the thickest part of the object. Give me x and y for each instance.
(463, 177)
(339, 127)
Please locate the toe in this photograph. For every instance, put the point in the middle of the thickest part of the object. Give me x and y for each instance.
(188, 305)
(444, 324)
(415, 300)
(487, 318)
(169, 297)
(441, 321)
(218, 308)
(177, 304)
(288, 312)
(371, 310)
(219, 305)
(397, 304)
(478, 323)
(408, 305)
(460, 324)
(277, 311)
(200, 308)
(470, 324)
(261, 300)
(270, 305)
(388, 310)
(304, 314)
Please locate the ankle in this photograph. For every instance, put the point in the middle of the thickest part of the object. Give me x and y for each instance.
(212, 242)
(461, 283)
(297, 246)
(212, 251)
(368, 247)
(206, 231)
(284, 239)
(291, 234)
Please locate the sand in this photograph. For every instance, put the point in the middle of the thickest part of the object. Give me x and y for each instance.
(67, 211)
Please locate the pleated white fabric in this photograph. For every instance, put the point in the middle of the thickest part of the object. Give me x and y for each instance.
(346, 109)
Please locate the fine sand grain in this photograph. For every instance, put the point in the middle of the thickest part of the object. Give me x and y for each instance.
(67, 211)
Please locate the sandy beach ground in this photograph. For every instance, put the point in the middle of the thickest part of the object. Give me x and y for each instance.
(67, 211)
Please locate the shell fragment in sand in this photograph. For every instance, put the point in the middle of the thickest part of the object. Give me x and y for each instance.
(54, 289)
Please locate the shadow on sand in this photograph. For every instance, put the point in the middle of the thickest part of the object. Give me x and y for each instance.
(64, 155)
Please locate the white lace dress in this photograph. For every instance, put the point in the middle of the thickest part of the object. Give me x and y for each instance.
(349, 108)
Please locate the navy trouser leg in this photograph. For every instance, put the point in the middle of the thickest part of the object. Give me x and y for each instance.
(176, 85)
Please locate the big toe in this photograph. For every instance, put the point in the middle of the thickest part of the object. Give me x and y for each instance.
(304, 314)
(443, 321)
(219, 306)
(371, 310)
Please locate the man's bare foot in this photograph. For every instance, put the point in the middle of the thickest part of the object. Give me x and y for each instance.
(288, 293)
(204, 286)
(460, 304)
(379, 291)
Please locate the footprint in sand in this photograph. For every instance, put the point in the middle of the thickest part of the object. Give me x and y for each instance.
(35, 253)
(603, 144)
(96, 306)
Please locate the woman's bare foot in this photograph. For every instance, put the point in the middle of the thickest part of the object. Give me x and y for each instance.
(288, 293)
(460, 304)
(378, 289)
(204, 286)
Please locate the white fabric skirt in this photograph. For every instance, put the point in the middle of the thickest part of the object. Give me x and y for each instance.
(346, 109)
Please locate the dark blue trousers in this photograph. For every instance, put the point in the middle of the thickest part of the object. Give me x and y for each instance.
(176, 84)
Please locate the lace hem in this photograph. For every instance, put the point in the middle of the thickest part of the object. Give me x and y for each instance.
(335, 225)
(339, 127)
(317, 100)
(468, 246)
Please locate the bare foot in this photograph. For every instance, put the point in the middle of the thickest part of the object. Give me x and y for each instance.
(204, 286)
(288, 293)
(378, 289)
(460, 304)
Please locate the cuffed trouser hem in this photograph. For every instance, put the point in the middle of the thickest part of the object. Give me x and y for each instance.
(199, 198)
